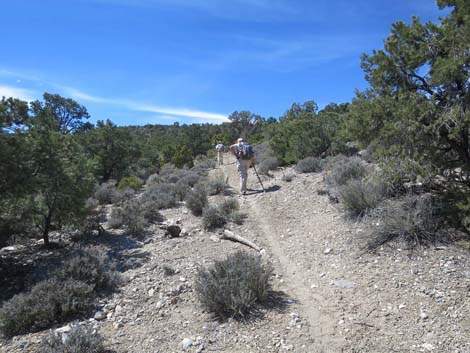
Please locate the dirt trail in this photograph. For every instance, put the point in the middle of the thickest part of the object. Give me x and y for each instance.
(269, 226)
(392, 300)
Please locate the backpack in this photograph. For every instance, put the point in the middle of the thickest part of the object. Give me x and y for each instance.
(245, 151)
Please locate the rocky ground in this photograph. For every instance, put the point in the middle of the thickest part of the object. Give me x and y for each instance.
(329, 295)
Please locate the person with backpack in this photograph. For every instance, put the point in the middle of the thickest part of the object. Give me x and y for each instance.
(245, 158)
(220, 149)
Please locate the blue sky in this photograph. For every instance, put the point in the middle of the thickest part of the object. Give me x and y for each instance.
(159, 61)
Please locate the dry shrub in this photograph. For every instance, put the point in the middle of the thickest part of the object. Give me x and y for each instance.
(49, 302)
(216, 185)
(212, 217)
(413, 219)
(309, 165)
(80, 339)
(196, 200)
(360, 195)
(233, 286)
(266, 165)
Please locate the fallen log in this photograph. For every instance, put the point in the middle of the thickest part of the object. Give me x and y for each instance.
(229, 235)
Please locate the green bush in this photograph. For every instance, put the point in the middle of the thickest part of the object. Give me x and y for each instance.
(80, 339)
(196, 200)
(414, 220)
(131, 182)
(93, 269)
(49, 302)
(232, 287)
(309, 165)
(212, 217)
(360, 196)
(397, 171)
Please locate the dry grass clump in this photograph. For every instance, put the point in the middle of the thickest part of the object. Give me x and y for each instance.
(413, 220)
(232, 287)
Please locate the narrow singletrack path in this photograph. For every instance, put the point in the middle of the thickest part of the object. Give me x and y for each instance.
(270, 223)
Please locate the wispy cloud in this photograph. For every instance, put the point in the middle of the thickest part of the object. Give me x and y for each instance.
(146, 107)
(125, 104)
(16, 92)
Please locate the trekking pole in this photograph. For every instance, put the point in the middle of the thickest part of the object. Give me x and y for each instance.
(259, 179)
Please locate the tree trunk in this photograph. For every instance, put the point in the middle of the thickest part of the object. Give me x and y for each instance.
(47, 226)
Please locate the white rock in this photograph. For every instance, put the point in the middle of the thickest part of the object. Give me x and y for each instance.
(428, 346)
(151, 292)
(118, 310)
(186, 343)
(215, 238)
(99, 316)
(64, 329)
(327, 251)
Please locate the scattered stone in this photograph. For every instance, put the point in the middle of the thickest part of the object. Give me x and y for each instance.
(215, 238)
(327, 251)
(151, 292)
(118, 310)
(428, 346)
(186, 343)
(99, 315)
(343, 283)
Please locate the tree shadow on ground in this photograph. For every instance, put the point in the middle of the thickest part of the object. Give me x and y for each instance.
(28, 265)
(123, 249)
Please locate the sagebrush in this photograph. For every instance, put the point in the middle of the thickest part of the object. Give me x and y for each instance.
(414, 220)
(361, 195)
(196, 200)
(49, 302)
(232, 287)
(80, 339)
(309, 165)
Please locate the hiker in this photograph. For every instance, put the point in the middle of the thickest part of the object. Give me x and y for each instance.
(220, 149)
(245, 159)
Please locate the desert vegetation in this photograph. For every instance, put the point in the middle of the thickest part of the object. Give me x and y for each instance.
(395, 159)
